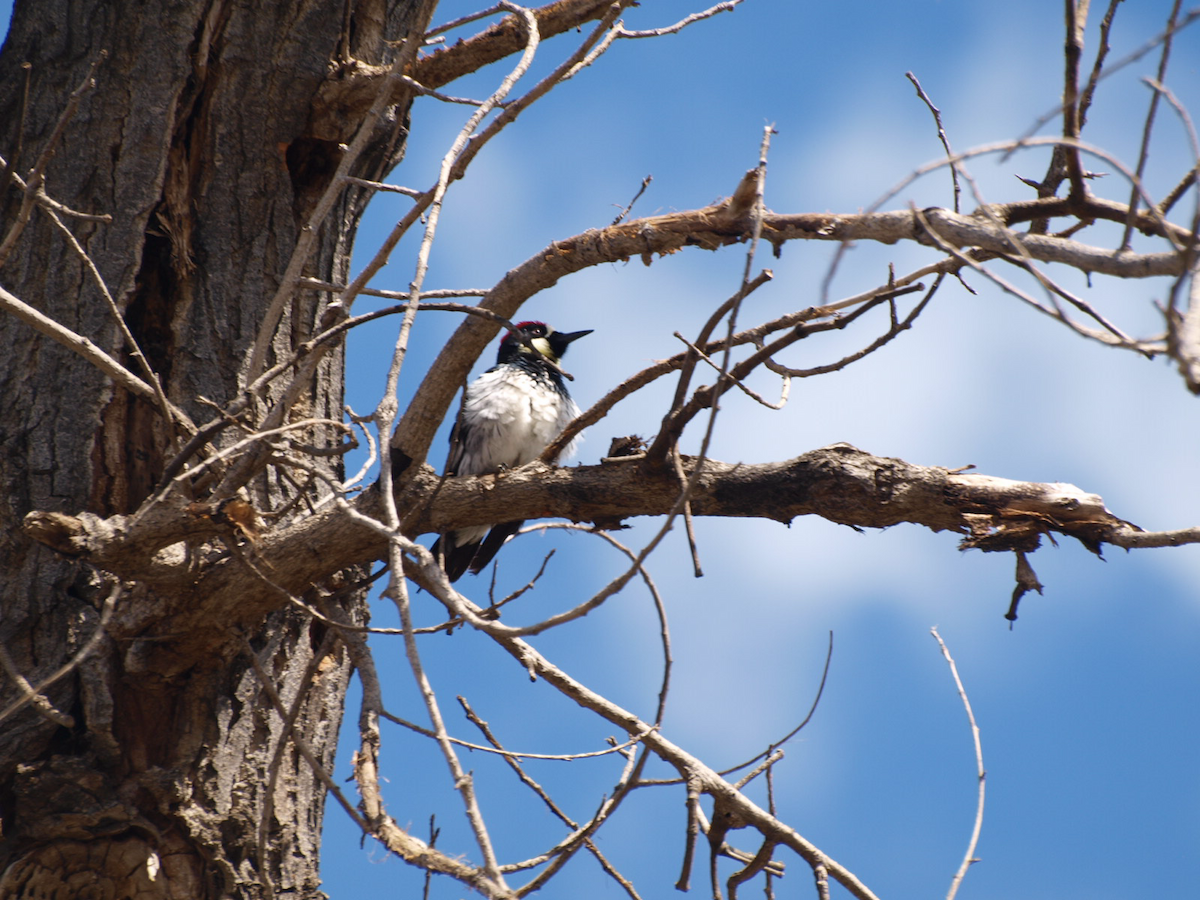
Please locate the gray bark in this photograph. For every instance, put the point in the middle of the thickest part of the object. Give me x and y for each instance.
(205, 139)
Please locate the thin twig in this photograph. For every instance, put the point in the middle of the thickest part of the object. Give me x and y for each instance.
(317, 284)
(682, 23)
(1089, 90)
(660, 608)
(36, 699)
(538, 666)
(1052, 289)
(1177, 192)
(567, 847)
(512, 755)
(434, 832)
(477, 141)
(688, 525)
(33, 182)
(1128, 60)
(541, 793)
(465, 20)
(312, 228)
(1076, 20)
(257, 437)
(896, 328)
(77, 343)
(783, 740)
(8, 173)
(301, 745)
(462, 780)
(1088, 205)
(373, 820)
(941, 132)
(438, 95)
(1193, 141)
(34, 693)
(641, 190)
(1148, 126)
(375, 186)
(969, 857)
(773, 756)
(670, 428)
(740, 383)
(170, 413)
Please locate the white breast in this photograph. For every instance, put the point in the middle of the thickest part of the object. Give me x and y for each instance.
(513, 417)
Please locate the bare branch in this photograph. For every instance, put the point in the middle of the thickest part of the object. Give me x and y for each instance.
(969, 858)
(301, 745)
(1089, 90)
(641, 190)
(660, 608)
(1191, 17)
(584, 836)
(373, 820)
(509, 755)
(80, 345)
(1184, 335)
(385, 414)
(1076, 21)
(172, 414)
(714, 226)
(727, 6)
(941, 132)
(1148, 126)
(504, 38)
(308, 234)
(375, 186)
(463, 781)
(33, 183)
(839, 483)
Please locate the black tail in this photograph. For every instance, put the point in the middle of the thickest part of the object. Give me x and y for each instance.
(456, 560)
(493, 542)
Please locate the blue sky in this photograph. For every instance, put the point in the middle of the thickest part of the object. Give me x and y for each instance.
(1087, 707)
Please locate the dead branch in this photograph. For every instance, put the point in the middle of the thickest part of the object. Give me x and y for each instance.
(713, 227)
(969, 856)
(504, 38)
(32, 186)
(839, 483)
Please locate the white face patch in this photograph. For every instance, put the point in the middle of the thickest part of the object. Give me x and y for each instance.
(542, 345)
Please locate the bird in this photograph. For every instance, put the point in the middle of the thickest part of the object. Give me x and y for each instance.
(509, 415)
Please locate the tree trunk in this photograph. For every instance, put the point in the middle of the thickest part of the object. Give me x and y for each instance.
(207, 136)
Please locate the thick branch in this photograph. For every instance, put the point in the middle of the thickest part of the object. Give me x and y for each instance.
(721, 225)
(502, 39)
(355, 85)
(839, 483)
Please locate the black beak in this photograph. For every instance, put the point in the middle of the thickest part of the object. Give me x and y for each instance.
(559, 341)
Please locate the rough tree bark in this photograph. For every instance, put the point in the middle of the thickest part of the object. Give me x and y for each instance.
(206, 137)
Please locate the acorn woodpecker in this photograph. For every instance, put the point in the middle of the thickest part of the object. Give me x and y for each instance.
(508, 417)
